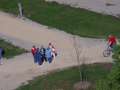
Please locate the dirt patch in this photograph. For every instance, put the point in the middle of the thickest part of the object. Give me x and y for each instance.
(107, 66)
(82, 85)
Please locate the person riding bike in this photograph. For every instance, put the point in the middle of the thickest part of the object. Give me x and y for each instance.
(112, 41)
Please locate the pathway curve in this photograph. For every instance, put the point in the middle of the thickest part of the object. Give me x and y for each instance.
(25, 33)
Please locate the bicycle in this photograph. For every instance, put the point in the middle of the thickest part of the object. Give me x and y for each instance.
(107, 52)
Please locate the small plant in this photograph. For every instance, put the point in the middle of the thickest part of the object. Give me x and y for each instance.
(112, 82)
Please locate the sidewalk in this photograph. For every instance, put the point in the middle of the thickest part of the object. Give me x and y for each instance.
(95, 5)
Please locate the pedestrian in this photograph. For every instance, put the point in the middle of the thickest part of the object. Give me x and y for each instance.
(1, 55)
(36, 56)
(42, 51)
(40, 59)
(54, 52)
(33, 51)
(48, 54)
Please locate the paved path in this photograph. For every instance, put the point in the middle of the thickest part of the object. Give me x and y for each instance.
(25, 33)
(95, 5)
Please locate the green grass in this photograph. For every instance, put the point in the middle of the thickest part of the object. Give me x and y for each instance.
(65, 79)
(112, 82)
(72, 20)
(116, 54)
(10, 50)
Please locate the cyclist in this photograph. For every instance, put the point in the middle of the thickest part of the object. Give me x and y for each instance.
(112, 41)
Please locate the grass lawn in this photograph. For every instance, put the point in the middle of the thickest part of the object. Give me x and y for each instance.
(72, 20)
(65, 79)
(10, 50)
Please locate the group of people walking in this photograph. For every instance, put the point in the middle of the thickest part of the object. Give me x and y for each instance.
(48, 54)
(44, 54)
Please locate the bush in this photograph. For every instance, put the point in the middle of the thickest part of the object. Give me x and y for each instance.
(113, 80)
(102, 85)
(116, 53)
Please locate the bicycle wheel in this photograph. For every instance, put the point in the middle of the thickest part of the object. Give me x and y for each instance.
(106, 53)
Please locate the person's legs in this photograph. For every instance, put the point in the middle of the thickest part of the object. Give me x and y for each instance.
(45, 59)
(112, 46)
(50, 59)
(35, 59)
(41, 61)
(53, 55)
(1, 61)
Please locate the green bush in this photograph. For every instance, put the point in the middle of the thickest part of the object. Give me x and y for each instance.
(113, 80)
(102, 85)
(114, 76)
(117, 53)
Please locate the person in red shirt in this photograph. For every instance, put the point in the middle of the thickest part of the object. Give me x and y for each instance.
(33, 50)
(112, 41)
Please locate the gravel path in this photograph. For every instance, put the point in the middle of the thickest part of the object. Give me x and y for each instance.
(25, 33)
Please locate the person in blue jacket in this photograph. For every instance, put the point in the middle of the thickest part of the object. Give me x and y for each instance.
(48, 54)
(38, 57)
(42, 51)
(40, 60)
(1, 55)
